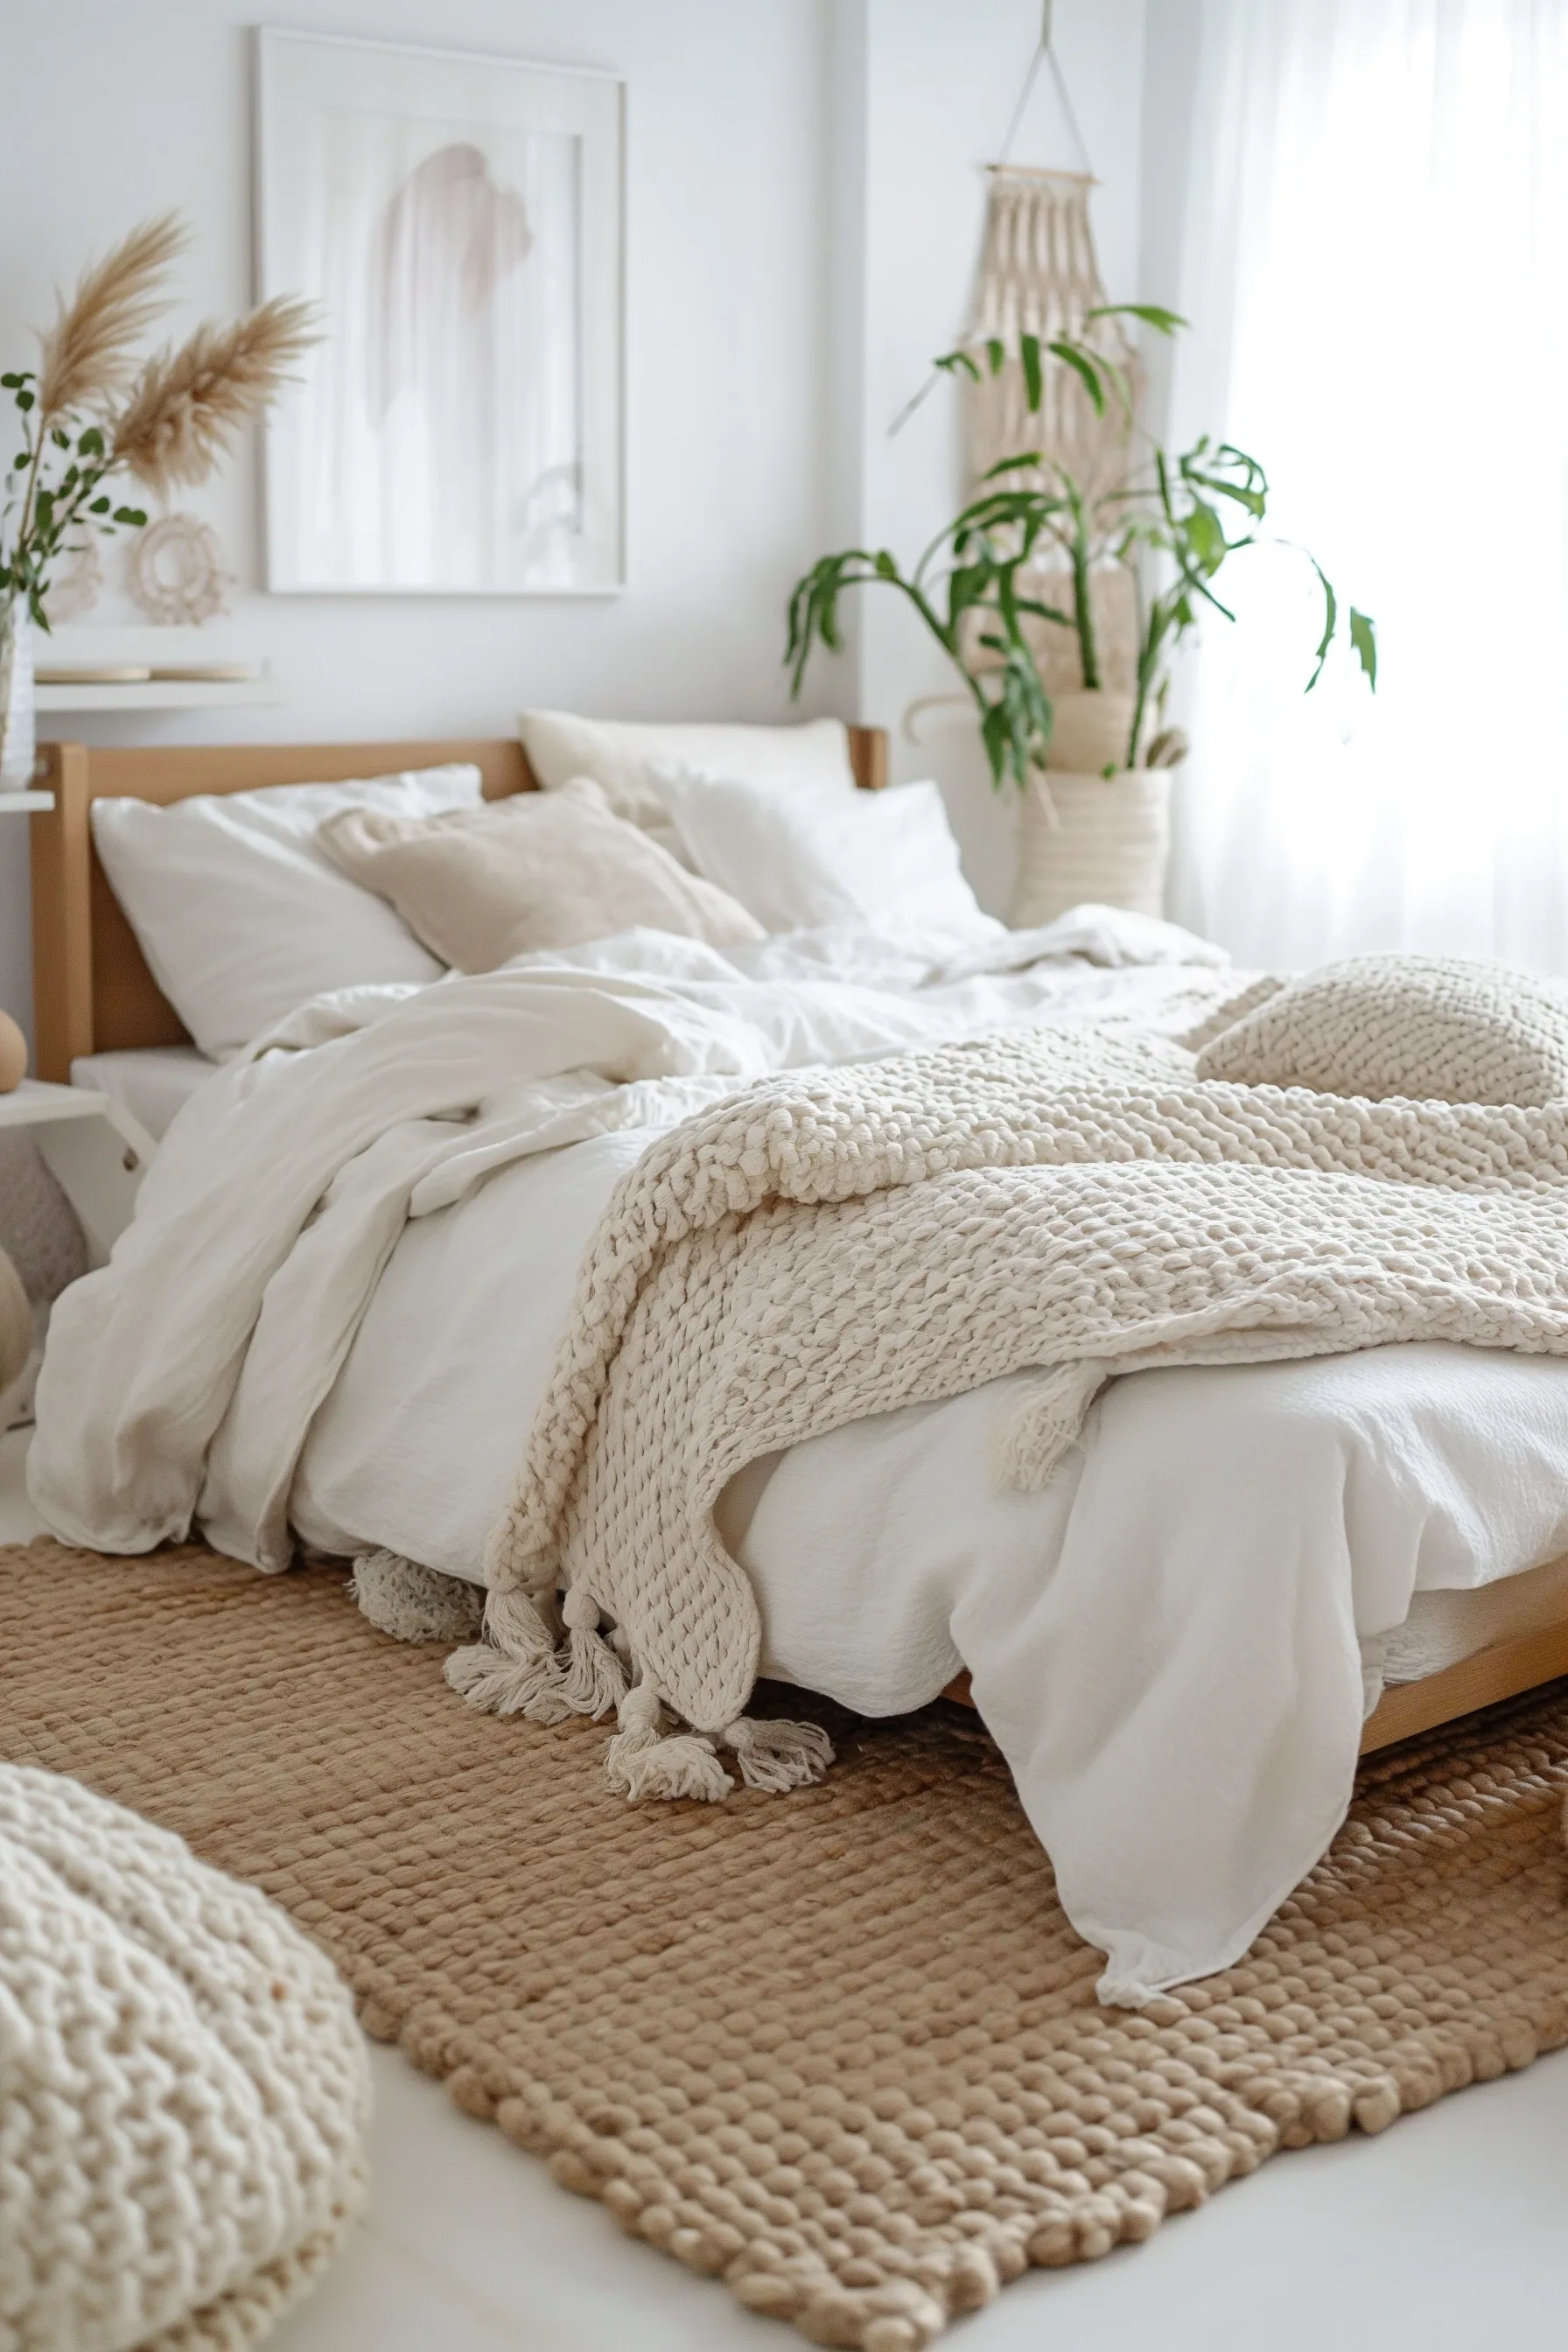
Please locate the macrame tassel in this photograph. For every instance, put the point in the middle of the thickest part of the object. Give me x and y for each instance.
(594, 1682)
(413, 1603)
(1046, 1420)
(516, 1669)
(778, 1755)
(642, 1763)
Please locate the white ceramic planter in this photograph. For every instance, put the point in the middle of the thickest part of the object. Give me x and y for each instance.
(1092, 838)
(18, 742)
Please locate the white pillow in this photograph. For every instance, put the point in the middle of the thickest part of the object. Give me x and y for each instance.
(619, 753)
(795, 861)
(241, 916)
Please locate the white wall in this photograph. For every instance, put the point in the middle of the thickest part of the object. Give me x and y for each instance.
(804, 194)
(1171, 59)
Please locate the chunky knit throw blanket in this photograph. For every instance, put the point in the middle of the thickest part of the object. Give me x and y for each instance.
(836, 1243)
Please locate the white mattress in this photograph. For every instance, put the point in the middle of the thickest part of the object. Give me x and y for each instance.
(150, 1082)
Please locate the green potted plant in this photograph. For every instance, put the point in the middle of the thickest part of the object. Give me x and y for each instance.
(1021, 560)
(89, 415)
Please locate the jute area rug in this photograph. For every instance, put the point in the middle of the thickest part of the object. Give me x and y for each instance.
(840, 2048)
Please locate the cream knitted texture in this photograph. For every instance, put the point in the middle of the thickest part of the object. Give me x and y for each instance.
(1443, 1027)
(836, 1243)
(183, 2091)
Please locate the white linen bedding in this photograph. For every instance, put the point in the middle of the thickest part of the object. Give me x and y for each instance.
(1164, 1642)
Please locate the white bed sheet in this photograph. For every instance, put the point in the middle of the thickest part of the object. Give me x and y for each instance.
(150, 1082)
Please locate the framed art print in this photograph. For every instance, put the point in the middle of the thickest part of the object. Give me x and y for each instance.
(458, 223)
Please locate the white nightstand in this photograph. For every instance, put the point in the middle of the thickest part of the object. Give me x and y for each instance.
(96, 1154)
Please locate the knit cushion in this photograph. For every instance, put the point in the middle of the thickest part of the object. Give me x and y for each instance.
(183, 2090)
(1433, 1028)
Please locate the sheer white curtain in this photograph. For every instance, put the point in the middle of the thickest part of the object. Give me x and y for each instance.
(1375, 262)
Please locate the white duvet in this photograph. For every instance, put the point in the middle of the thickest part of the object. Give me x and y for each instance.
(354, 1254)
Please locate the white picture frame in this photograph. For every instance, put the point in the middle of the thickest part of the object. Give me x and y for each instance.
(459, 221)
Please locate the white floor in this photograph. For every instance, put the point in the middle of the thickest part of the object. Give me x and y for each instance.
(1445, 2234)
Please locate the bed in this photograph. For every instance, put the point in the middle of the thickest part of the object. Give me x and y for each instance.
(100, 1012)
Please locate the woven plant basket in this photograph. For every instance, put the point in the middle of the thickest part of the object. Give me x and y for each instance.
(1089, 837)
(1090, 733)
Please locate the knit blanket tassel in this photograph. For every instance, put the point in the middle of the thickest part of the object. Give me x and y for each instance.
(643, 1761)
(520, 1669)
(595, 1680)
(517, 1668)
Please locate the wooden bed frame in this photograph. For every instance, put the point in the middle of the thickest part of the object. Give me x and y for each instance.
(1480, 1680)
(93, 992)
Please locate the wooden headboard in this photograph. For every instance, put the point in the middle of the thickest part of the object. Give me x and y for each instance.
(93, 992)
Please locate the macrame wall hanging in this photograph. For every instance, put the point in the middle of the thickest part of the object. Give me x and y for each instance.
(1039, 275)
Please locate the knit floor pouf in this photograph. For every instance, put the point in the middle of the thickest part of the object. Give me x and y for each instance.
(183, 2091)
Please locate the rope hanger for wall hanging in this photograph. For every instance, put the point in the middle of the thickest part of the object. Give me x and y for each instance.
(1044, 55)
(1039, 275)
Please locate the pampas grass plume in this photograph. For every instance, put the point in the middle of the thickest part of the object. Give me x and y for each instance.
(87, 354)
(186, 405)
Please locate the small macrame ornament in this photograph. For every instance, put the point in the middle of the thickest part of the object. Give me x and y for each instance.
(175, 572)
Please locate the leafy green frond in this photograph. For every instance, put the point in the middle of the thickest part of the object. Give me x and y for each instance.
(1086, 366)
(971, 585)
(1331, 620)
(1363, 644)
(1116, 376)
(1153, 314)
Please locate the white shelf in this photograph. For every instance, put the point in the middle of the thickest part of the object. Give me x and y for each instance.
(26, 801)
(37, 1103)
(160, 694)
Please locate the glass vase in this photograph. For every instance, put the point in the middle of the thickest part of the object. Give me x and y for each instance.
(18, 731)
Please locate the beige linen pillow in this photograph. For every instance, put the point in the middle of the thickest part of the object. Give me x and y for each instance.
(619, 753)
(535, 870)
(1432, 1028)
